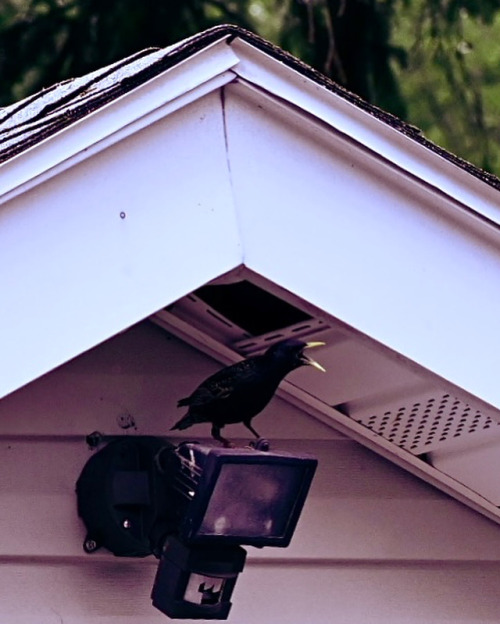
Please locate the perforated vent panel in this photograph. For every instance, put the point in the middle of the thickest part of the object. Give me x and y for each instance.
(426, 424)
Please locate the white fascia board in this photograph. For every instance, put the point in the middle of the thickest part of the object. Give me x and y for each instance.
(203, 72)
(432, 282)
(274, 77)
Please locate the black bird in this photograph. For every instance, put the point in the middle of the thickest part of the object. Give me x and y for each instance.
(239, 392)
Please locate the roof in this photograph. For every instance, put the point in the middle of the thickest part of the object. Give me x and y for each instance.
(33, 119)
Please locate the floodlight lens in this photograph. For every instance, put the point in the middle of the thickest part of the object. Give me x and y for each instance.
(252, 500)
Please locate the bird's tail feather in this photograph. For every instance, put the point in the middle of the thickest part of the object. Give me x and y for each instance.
(185, 422)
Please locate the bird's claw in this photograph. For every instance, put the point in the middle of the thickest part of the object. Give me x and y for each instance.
(262, 444)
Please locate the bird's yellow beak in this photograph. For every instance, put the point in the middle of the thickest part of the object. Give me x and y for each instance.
(309, 361)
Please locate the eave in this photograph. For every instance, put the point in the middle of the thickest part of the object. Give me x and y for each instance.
(158, 97)
(300, 394)
(375, 135)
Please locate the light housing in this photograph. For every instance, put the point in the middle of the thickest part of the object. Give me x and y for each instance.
(118, 495)
(192, 506)
(236, 496)
(196, 581)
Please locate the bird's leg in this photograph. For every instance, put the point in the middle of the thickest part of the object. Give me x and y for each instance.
(249, 426)
(260, 444)
(217, 436)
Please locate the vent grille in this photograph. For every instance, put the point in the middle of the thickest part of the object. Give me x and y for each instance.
(426, 424)
(195, 311)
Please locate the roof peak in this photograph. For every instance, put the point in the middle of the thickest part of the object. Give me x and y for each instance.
(42, 114)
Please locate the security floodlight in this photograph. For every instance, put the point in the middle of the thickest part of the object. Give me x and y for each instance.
(236, 496)
(192, 506)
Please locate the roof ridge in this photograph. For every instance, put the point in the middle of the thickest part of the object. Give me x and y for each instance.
(164, 58)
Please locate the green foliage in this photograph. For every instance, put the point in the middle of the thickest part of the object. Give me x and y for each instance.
(435, 63)
(46, 41)
(452, 81)
(350, 41)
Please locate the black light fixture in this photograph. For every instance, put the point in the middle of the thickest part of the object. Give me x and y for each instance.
(235, 495)
(192, 506)
(196, 581)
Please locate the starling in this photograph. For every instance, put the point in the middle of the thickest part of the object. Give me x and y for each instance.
(239, 392)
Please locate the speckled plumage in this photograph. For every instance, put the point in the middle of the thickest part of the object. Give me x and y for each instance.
(239, 392)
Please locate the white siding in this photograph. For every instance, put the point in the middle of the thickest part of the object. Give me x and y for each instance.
(374, 544)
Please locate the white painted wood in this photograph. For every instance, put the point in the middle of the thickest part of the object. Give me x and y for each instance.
(192, 78)
(476, 464)
(118, 593)
(70, 156)
(386, 142)
(411, 594)
(115, 238)
(371, 594)
(387, 257)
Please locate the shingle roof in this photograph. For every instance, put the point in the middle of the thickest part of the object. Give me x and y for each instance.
(33, 119)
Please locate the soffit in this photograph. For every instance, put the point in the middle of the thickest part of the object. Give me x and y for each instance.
(384, 401)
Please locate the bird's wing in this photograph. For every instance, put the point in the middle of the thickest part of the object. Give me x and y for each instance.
(221, 384)
(203, 395)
